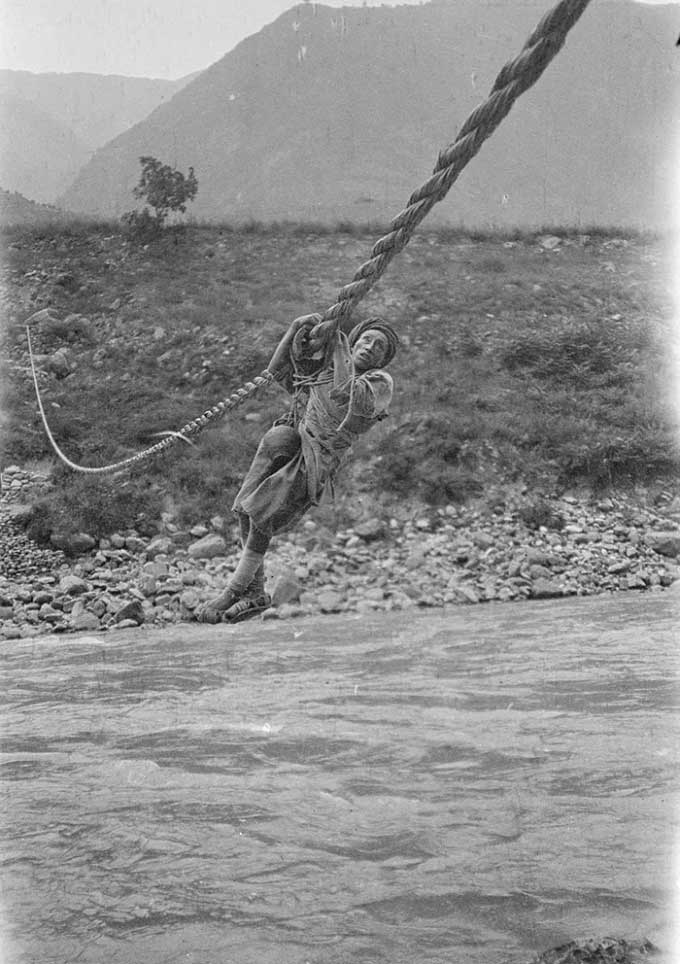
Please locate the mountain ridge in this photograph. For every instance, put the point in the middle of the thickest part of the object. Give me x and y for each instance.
(335, 114)
(66, 117)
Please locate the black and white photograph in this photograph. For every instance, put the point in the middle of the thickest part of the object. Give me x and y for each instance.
(339, 482)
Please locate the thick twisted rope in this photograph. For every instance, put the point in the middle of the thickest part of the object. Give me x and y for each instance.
(515, 77)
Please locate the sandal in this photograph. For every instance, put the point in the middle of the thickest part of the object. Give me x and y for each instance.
(246, 608)
(213, 611)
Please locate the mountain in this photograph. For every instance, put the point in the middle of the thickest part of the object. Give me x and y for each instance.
(52, 123)
(16, 209)
(331, 114)
(39, 155)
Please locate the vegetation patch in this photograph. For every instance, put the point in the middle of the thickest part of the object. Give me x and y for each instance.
(518, 362)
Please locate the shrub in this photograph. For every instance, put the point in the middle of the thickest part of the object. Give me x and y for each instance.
(165, 190)
(539, 512)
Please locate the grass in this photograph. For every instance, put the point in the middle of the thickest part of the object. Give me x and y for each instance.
(518, 363)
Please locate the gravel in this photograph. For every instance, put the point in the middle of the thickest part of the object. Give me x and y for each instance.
(435, 558)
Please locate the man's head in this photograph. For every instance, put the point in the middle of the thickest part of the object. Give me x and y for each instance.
(374, 344)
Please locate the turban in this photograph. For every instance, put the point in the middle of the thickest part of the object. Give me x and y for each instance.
(377, 324)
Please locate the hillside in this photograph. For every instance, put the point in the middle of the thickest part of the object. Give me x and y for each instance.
(331, 114)
(53, 122)
(15, 209)
(524, 363)
(39, 155)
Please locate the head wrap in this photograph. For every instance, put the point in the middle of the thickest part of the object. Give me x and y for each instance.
(377, 324)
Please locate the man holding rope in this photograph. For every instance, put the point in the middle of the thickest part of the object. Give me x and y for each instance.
(340, 390)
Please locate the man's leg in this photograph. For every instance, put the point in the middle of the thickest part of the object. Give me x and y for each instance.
(248, 577)
(277, 447)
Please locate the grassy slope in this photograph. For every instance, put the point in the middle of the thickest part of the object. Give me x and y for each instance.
(518, 363)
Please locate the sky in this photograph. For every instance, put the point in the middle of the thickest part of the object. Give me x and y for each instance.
(138, 38)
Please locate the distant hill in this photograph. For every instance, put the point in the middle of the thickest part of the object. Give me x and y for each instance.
(39, 155)
(15, 209)
(331, 114)
(52, 123)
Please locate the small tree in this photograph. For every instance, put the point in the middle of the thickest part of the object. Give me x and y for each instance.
(164, 189)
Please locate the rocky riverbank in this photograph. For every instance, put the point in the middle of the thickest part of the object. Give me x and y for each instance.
(496, 550)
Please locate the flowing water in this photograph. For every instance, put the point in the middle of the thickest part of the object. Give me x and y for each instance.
(472, 786)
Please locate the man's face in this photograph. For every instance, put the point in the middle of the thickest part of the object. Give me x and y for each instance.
(370, 350)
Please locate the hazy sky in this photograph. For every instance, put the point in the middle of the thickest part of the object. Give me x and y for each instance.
(142, 38)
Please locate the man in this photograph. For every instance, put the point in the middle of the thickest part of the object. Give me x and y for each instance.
(336, 398)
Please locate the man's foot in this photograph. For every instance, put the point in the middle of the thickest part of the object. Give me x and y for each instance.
(213, 610)
(246, 608)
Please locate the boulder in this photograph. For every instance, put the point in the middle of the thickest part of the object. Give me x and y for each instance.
(132, 611)
(208, 547)
(72, 542)
(73, 586)
(58, 364)
(84, 620)
(546, 589)
(665, 543)
(286, 589)
(329, 601)
(370, 529)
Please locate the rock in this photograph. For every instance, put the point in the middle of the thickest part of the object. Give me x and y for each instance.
(208, 547)
(10, 631)
(157, 569)
(148, 585)
(19, 513)
(546, 589)
(126, 624)
(329, 601)
(665, 543)
(539, 557)
(370, 529)
(135, 544)
(49, 614)
(132, 612)
(549, 242)
(84, 620)
(288, 610)
(72, 542)
(415, 559)
(286, 589)
(483, 540)
(6, 613)
(540, 572)
(73, 586)
(189, 599)
(58, 364)
(199, 531)
(464, 594)
(42, 596)
(45, 316)
(161, 545)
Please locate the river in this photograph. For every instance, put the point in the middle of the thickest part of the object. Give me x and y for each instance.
(469, 787)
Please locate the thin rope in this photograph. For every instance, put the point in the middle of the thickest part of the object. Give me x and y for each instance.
(226, 405)
(516, 76)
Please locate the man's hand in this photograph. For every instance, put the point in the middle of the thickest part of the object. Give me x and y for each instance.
(320, 334)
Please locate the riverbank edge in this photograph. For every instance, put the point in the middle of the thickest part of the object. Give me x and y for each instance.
(505, 548)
